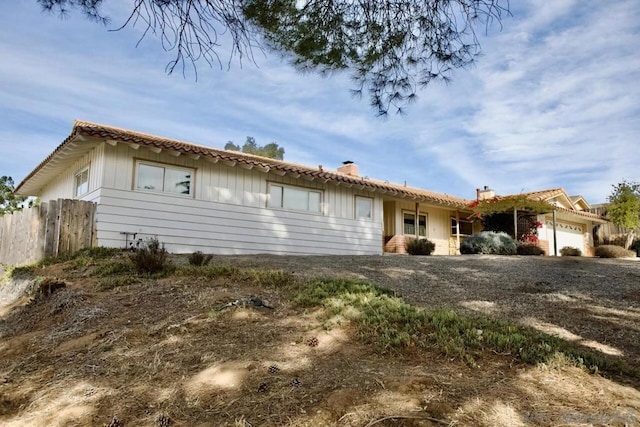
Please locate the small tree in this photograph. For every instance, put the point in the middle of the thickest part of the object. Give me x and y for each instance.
(271, 150)
(9, 202)
(624, 208)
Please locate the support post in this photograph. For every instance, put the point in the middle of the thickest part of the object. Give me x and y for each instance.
(417, 223)
(457, 232)
(515, 224)
(555, 239)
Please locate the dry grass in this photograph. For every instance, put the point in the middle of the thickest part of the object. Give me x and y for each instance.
(161, 350)
(612, 251)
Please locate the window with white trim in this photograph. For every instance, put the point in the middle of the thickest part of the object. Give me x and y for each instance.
(409, 224)
(295, 198)
(364, 207)
(466, 227)
(164, 178)
(82, 182)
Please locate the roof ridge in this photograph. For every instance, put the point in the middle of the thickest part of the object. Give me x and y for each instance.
(79, 125)
(82, 123)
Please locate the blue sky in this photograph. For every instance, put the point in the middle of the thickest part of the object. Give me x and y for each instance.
(554, 101)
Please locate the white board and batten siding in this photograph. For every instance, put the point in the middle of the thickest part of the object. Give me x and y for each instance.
(228, 213)
(63, 186)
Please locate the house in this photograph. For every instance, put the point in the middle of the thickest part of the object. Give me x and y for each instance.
(192, 197)
(571, 219)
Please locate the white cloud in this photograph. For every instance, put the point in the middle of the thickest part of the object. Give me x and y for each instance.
(553, 101)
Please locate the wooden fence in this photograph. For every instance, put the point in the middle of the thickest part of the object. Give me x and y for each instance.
(51, 229)
(609, 233)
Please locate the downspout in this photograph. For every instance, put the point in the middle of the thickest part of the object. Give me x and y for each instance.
(555, 240)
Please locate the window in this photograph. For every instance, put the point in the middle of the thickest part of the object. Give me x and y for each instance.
(295, 198)
(466, 227)
(364, 208)
(166, 179)
(409, 220)
(82, 182)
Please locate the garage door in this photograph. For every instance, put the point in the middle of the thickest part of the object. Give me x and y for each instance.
(568, 235)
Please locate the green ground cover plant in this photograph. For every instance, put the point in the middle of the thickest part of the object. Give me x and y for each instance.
(388, 322)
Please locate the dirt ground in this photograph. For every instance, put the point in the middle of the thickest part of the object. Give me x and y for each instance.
(165, 353)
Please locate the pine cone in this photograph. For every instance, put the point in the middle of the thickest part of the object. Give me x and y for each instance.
(163, 421)
(313, 342)
(115, 422)
(273, 369)
(263, 388)
(296, 382)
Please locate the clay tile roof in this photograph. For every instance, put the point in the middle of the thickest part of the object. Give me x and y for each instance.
(554, 192)
(544, 194)
(110, 133)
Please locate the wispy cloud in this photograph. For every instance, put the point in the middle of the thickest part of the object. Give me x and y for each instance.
(556, 107)
(552, 103)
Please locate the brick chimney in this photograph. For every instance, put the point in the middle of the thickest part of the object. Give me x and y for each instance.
(485, 193)
(349, 168)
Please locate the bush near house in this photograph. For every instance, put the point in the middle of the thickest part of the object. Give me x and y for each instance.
(199, 259)
(490, 243)
(611, 251)
(419, 246)
(151, 258)
(570, 251)
(529, 249)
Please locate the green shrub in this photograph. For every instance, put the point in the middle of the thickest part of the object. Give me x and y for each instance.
(489, 242)
(570, 251)
(529, 249)
(612, 251)
(199, 259)
(150, 258)
(419, 246)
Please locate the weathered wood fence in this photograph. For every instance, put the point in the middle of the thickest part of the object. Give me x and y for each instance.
(609, 233)
(51, 229)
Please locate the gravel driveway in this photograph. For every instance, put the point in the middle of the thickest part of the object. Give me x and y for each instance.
(595, 302)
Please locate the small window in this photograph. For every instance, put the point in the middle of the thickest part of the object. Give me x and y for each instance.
(295, 198)
(165, 179)
(364, 208)
(466, 227)
(409, 220)
(82, 182)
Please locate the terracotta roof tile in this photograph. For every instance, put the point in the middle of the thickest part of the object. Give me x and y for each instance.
(553, 192)
(88, 129)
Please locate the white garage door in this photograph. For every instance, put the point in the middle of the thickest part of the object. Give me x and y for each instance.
(568, 235)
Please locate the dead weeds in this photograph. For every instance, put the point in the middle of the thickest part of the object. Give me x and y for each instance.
(171, 352)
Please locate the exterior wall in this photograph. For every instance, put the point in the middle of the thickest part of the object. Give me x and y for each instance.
(216, 182)
(63, 186)
(438, 226)
(561, 201)
(186, 225)
(228, 212)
